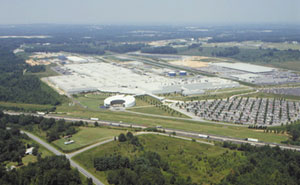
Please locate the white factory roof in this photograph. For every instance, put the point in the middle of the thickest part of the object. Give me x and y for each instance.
(109, 77)
(244, 67)
(76, 59)
(246, 76)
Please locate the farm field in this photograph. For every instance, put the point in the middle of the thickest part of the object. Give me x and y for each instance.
(87, 136)
(187, 158)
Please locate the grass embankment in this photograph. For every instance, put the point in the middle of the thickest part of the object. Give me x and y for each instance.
(269, 95)
(87, 136)
(214, 95)
(201, 127)
(92, 101)
(47, 73)
(25, 106)
(144, 104)
(203, 163)
(149, 105)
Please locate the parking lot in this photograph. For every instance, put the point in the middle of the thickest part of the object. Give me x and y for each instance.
(241, 110)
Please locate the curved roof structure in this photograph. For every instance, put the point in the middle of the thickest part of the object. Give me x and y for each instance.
(120, 100)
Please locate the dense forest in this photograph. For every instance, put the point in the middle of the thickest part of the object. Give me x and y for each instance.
(260, 55)
(17, 86)
(48, 171)
(264, 165)
(84, 48)
(54, 129)
(11, 146)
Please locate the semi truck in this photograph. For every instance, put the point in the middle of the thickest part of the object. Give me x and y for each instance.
(203, 136)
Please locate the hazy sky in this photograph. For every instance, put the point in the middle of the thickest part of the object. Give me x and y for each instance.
(149, 11)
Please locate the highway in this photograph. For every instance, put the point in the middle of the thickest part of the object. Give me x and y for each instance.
(179, 134)
(168, 130)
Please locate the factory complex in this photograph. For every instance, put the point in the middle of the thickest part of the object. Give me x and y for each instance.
(132, 78)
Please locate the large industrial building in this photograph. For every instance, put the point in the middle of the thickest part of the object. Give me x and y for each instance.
(113, 77)
(244, 67)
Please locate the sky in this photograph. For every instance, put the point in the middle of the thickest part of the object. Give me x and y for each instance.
(149, 11)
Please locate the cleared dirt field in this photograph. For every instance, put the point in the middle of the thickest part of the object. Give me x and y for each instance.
(195, 61)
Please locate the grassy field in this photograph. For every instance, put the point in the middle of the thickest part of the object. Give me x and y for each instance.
(47, 73)
(215, 95)
(269, 95)
(291, 65)
(92, 101)
(255, 45)
(187, 158)
(24, 106)
(87, 136)
(202, 127)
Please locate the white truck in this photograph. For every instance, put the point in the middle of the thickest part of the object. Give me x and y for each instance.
(94, 119)
(203, 136)
(252, 139)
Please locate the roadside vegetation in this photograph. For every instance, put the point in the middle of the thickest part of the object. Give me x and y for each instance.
(165, 160)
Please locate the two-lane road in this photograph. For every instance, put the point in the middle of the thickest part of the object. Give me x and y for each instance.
(73, 163)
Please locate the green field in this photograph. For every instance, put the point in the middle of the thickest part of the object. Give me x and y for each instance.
(202, 127)
(47, 73)
(215, 95)
(157, 111)
(278, 96)
(255, 45)
(199, 161)
(25, 106)
(87, 136)
(92, 101)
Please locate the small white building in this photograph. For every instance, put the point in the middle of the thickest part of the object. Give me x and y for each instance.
(69, 142)
(29, 151)
(120, 100)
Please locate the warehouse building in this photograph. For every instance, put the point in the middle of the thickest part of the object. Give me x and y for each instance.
(244, 67)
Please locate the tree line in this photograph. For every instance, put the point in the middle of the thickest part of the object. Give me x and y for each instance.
(54, 129)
